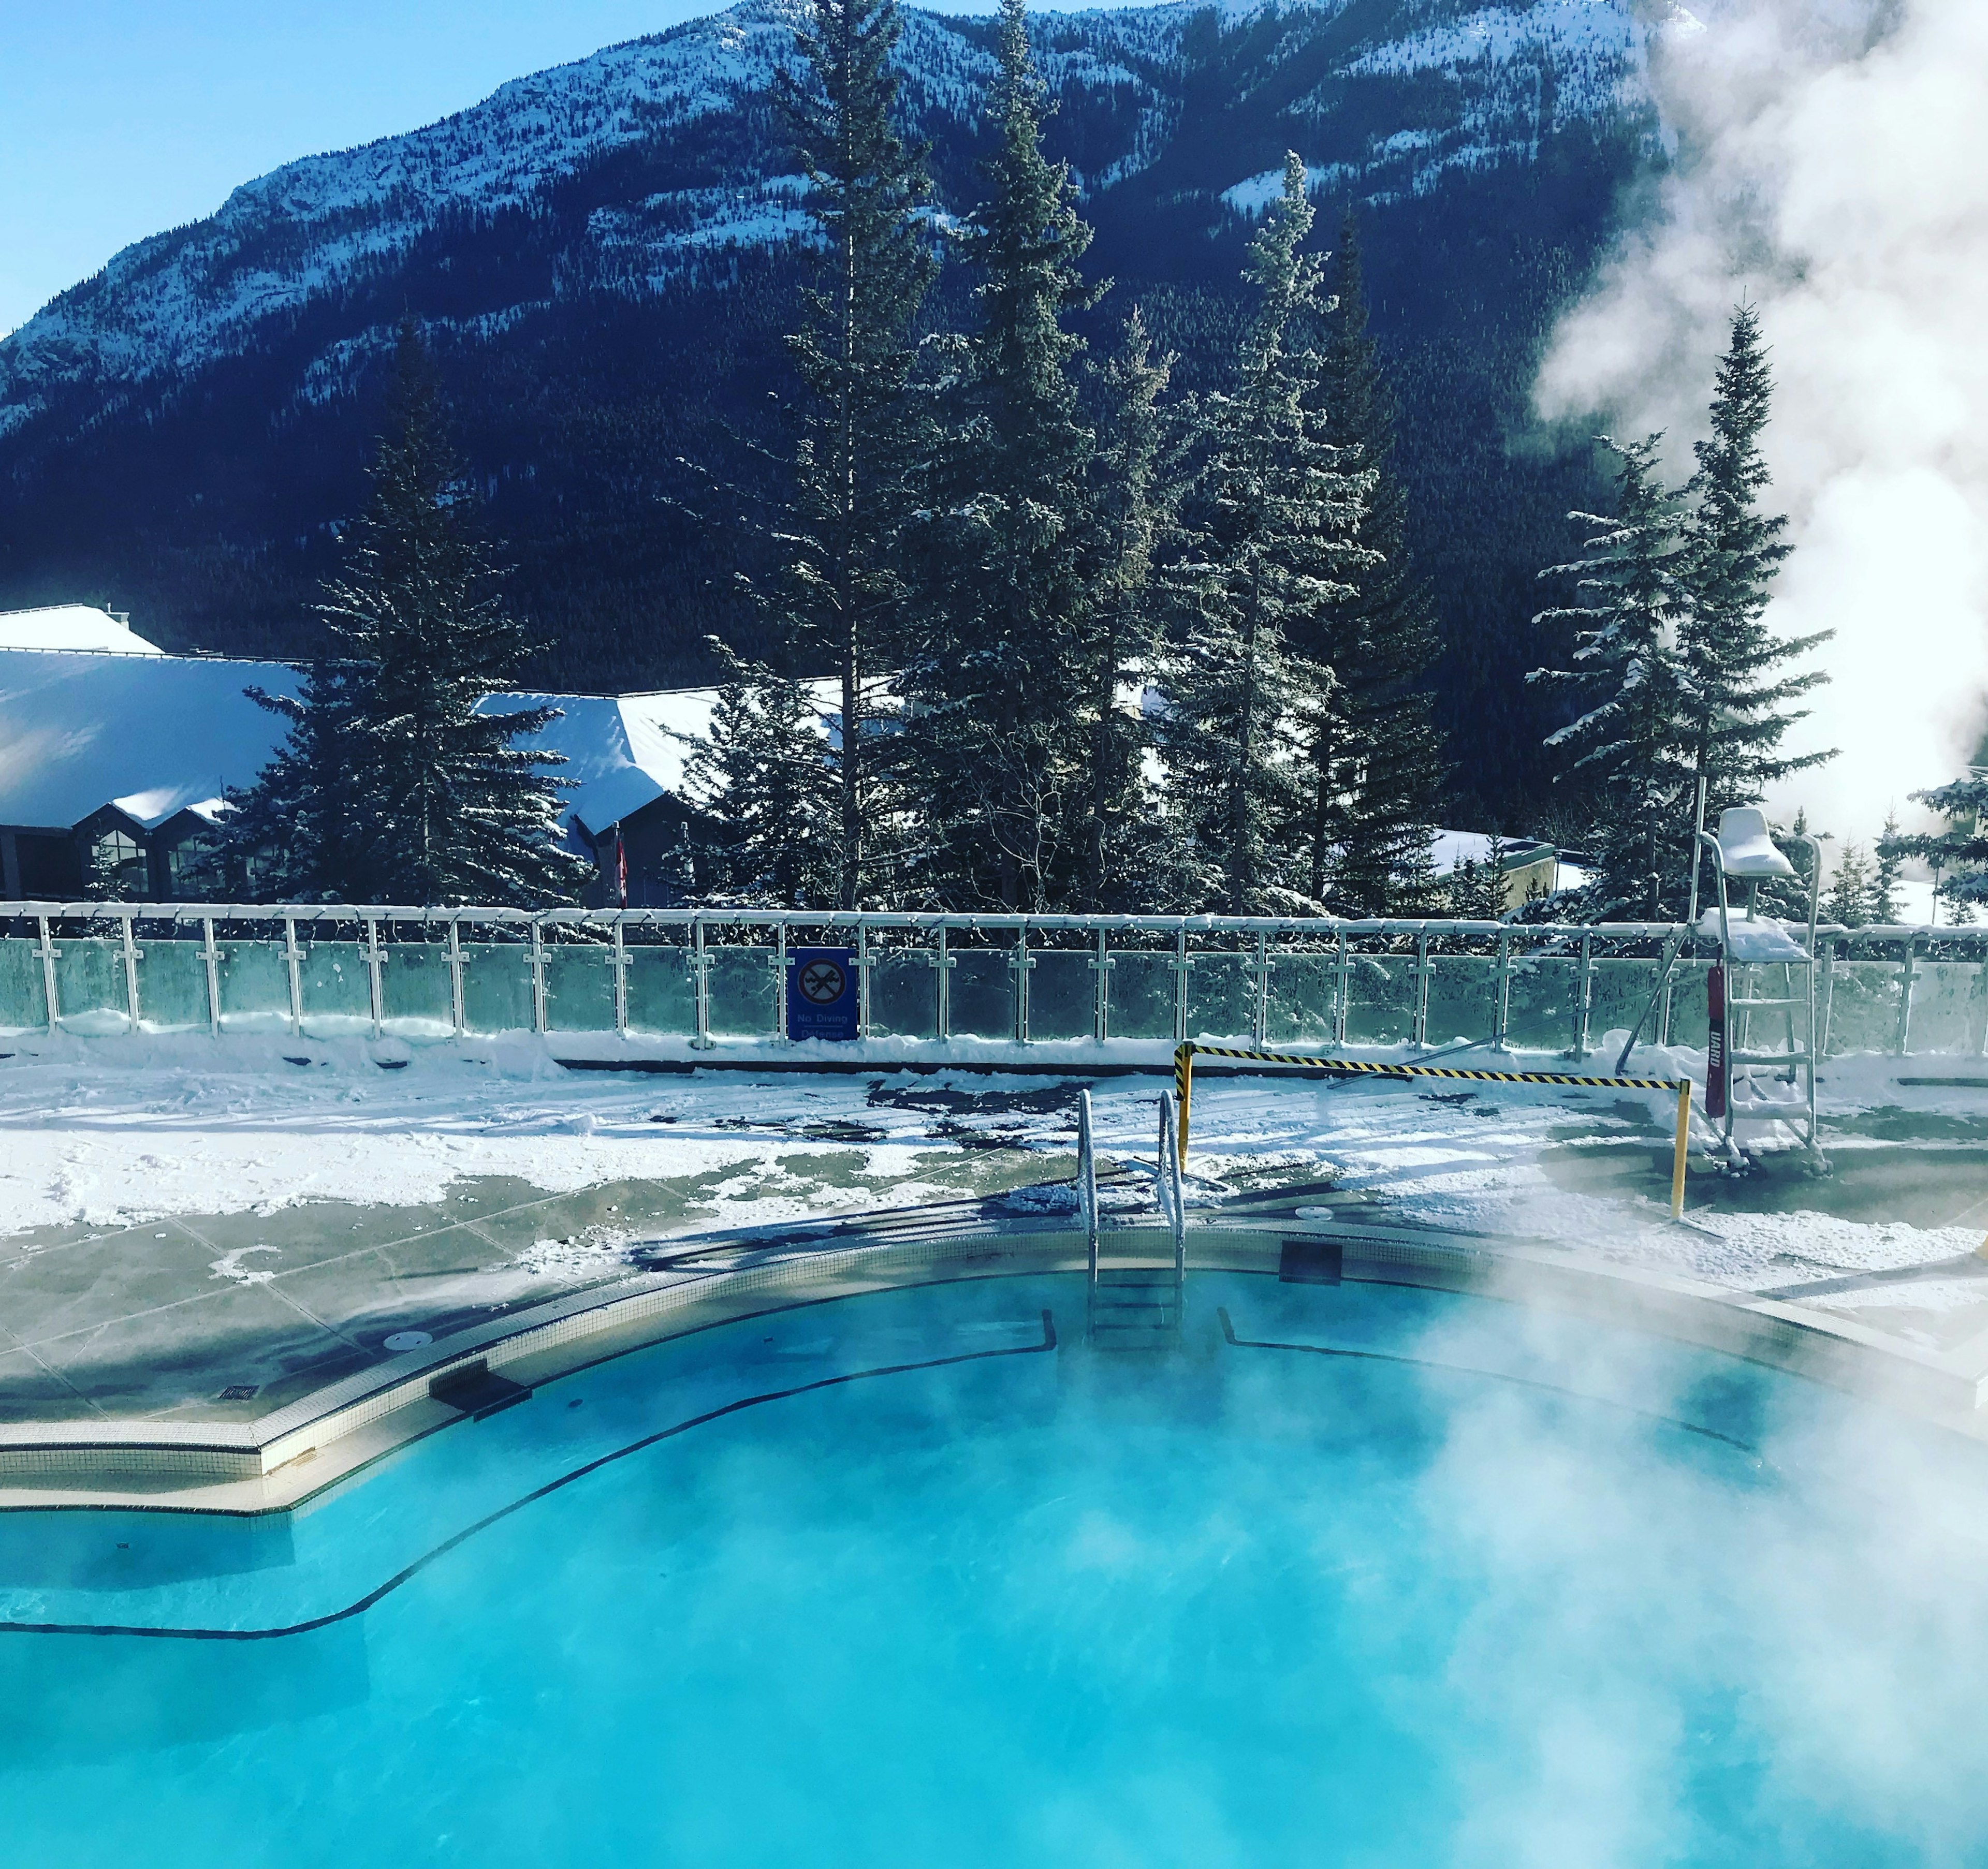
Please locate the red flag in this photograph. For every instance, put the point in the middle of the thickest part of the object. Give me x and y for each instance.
(621, 866)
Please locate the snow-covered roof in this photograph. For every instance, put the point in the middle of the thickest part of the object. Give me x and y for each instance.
(153, 735)
(1451, 849)
(71, 626)
(156, 734)
(626, 751)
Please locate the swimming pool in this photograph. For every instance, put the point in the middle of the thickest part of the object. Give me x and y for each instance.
(914, 1578)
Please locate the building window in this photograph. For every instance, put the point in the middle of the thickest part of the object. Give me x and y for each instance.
(117, 865)
(186, 879)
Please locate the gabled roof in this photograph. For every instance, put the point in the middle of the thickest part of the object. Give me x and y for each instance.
(157, 734)
(71, 626)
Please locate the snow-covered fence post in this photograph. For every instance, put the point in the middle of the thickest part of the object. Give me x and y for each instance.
(455, 975)
(1829, 999)
(374, 961)
(211, 955)
(1418, 1029)
(862, 975)
(48, 973)
(942, 992)
(1180, 964)
(293, 966)
(538, 974)
(1100, 1002)
(617, 958)
(1021, 962)
(699, 984)
(1501, 1008)
(1342, 965)
(1907, 973)
(131, 958)
(1584, 997)
(781, 1035)
(1259, 1010)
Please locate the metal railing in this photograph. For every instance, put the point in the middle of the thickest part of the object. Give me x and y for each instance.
(706, 979)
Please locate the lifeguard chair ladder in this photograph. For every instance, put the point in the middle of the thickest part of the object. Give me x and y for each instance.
(1744, 851)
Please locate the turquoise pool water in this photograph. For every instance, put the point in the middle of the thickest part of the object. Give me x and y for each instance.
(1503, 1590)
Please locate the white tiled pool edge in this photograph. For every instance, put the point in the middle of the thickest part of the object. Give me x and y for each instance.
(285, 1457)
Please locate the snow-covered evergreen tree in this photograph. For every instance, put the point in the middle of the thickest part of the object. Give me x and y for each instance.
(1887, 907)
(1132, 505)
(765, 776)
(843, 594)
(392, 787)
(1275, 514)
(997, 678)
(1959, 854)
(294, 835)
(1377, 768)
(1741, 684)
(1475, 889)
(1631, 738)
(1847, 899)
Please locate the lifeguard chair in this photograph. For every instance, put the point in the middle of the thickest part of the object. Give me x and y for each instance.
(1746, 1081)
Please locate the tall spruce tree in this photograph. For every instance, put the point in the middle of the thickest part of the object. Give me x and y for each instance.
(1132, 505)
(1847, 900)
(294, 835)
(1377, 766)
(1275, 515)
(1740, 679)
(399, 784)
(1959, 855)
(843, 590)
(764, 774)
(995, 738)
(1631, 738)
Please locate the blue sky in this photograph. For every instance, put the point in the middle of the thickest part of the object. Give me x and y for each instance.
(120, 118)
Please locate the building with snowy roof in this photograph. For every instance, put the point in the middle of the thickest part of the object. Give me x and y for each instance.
(115, 761)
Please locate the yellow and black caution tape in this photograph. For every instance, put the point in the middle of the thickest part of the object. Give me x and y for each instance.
(1184, 1055)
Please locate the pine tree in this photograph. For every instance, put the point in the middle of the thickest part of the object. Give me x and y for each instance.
(394, 784)
(1737, 667)
(1847, 901)
(1892, 848)
(1131, 505)
(995, 739)
(1959, 854)
(764, 774)
(1275, 514)
(844, 591)
(1631, 737)
(1476, 888)
(1377, 768)
(292, 836)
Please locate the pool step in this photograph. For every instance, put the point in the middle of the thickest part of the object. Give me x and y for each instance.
(1135, 1307)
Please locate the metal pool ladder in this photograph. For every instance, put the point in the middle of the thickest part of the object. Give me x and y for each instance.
(1135, 1300)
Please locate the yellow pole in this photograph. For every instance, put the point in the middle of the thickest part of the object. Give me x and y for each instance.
(1683, 1138)
(1184, 1086)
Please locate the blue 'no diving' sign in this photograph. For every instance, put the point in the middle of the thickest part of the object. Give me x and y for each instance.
(821, 993)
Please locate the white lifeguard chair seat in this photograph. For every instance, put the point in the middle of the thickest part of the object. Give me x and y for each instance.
(1745, 848)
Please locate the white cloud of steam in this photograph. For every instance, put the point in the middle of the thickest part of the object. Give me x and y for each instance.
(1832, 167)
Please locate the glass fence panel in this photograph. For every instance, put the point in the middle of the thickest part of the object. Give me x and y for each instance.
(255, 981)
(1946, 1008)
(1298, 1007)
(1691, 1019)
(903, 994)
(662, 996)
(496, 986)
(414, 991)
(338, 992)
(1381, 999)
(1540, 1003)
(580, 987)
(741, 983)
(1141, 1002)
(24, 1003)
(1862, 1002)
(1617, 992)
(1063, 995)
(1463, 1000)
(172, 984)
(1222, 997)
(981, 995)
(89, 984)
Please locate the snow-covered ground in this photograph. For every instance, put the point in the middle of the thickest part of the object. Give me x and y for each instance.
(108, 1133)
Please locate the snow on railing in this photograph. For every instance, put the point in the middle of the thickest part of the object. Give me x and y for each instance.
(716, 978)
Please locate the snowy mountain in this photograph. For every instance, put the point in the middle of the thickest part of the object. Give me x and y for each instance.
(604, 255)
